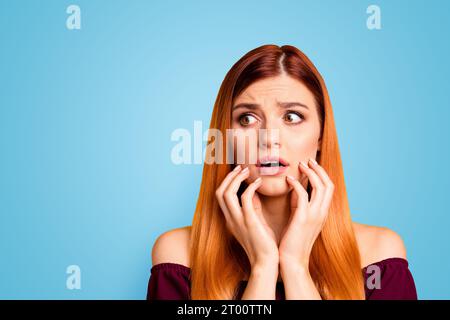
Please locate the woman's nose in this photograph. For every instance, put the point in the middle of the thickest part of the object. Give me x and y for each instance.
(269, 138)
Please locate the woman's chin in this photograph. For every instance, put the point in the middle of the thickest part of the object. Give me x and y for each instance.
(278, 187)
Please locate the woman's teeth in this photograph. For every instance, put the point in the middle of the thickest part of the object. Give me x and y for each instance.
(272, 164)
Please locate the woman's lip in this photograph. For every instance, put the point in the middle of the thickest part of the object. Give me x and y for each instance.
(271, 171)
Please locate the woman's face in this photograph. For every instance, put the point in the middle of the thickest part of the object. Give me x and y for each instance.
(286, 109)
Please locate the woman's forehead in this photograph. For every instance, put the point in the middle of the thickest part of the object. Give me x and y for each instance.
(273, 90)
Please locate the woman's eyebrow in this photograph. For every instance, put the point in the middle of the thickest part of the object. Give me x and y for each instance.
(253, 106)
(292, 104)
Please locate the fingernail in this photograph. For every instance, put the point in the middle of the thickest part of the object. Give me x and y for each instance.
(303, 164)
(313, 161)
(245, 170)
(237, 167)
(290, 177)
(258, 180)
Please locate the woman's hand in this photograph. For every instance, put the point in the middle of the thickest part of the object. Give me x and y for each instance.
(307, 218)
(247, 223)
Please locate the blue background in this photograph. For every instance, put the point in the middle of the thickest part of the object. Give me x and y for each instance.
(86, 117)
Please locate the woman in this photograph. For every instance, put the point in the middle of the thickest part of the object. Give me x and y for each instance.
(278, 227)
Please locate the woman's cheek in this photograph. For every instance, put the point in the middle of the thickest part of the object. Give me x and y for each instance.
(300, 150)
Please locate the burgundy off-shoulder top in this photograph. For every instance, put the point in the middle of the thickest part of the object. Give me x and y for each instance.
(171, 281)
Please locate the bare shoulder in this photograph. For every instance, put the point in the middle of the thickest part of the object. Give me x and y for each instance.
(378, 243)
(172, 246)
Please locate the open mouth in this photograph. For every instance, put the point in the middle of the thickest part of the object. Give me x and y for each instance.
(270, 166)
(272, 162)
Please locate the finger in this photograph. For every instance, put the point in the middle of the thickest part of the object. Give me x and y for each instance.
(301, 194)
(318, 187)
(320, 171)
(257, 202)
(328, 183)
(230, 194)
(221, 189)
(247, 201)
(229, 177)
(257, 206)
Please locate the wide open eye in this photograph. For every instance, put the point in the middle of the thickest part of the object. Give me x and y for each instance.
(246, 119)
(293, 117)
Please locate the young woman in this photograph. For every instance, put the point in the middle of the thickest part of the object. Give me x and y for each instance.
(278, 227)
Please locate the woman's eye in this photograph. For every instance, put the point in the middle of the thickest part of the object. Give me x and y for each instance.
(246, 119)
(293, 117)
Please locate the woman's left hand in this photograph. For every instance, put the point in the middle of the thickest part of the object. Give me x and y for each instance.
(307, 217)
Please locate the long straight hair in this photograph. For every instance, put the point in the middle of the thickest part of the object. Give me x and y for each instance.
(218, 262)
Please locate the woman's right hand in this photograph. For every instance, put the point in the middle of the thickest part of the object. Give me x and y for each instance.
(247, 223)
